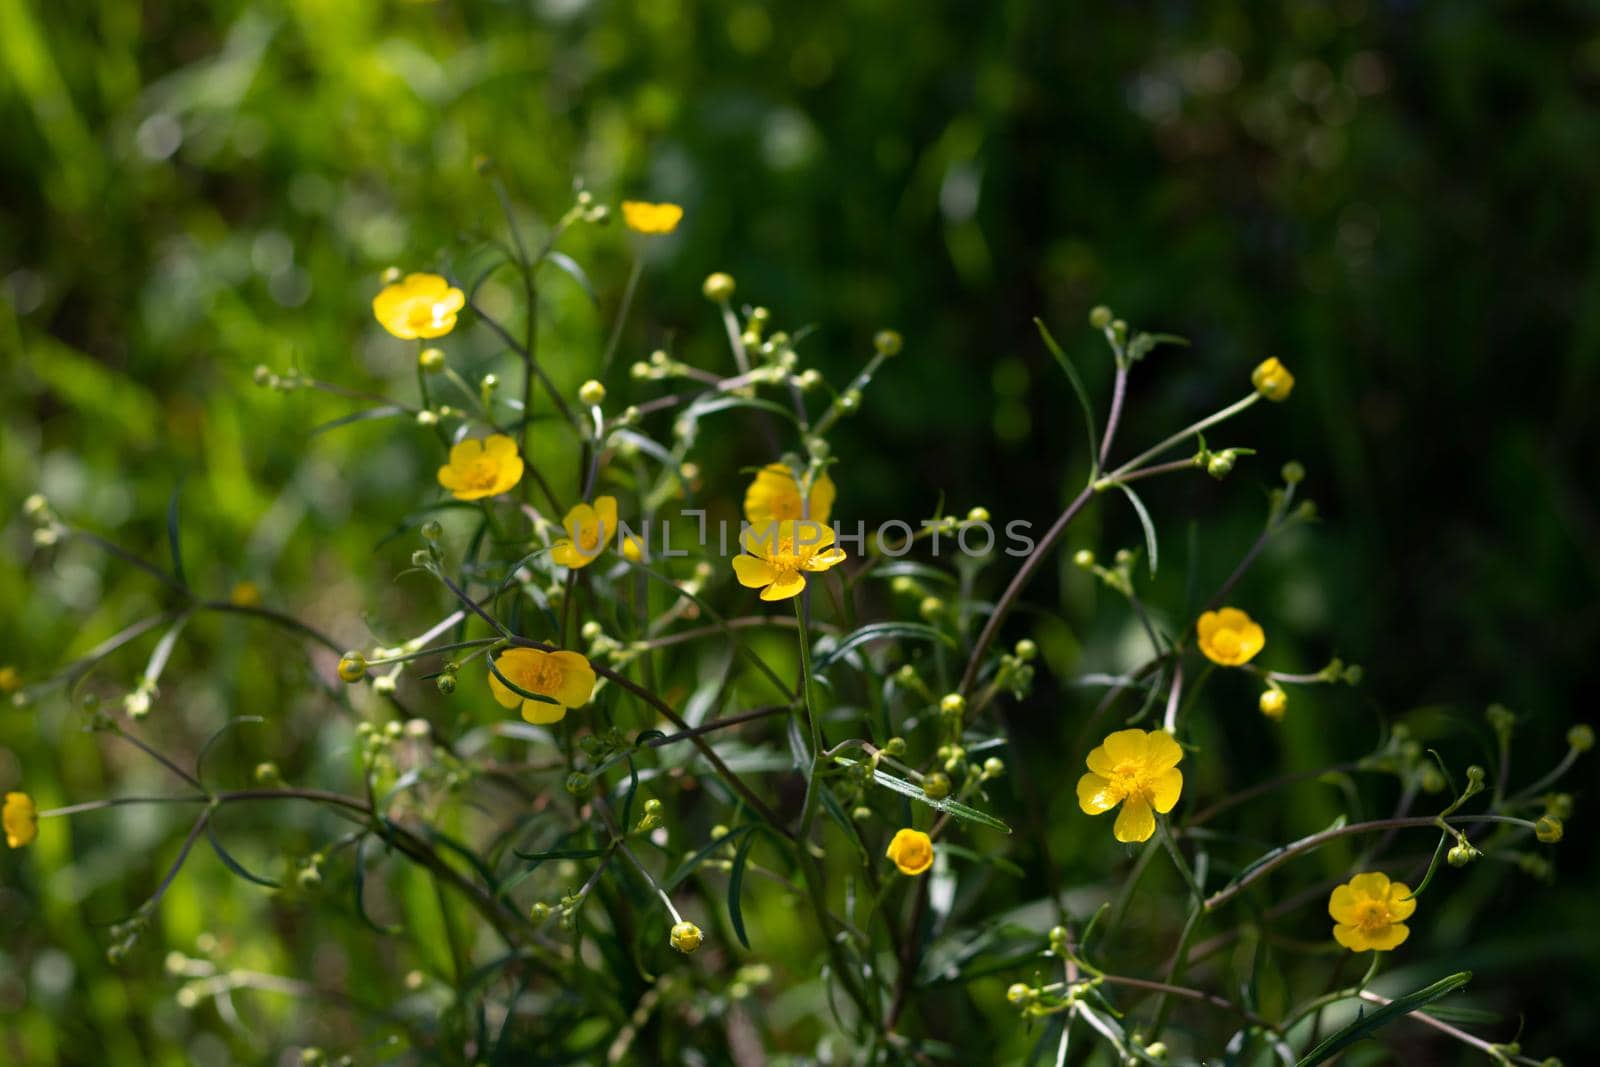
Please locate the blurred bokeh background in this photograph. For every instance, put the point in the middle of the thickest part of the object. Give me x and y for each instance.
(1398, 199)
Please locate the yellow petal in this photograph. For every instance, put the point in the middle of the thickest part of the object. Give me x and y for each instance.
(1385, 938)
(542, 714)
(1161, 752)
(577, 679)
(502, 693)
(760, 539)
(508, 476)
(605, 509)
(1125, 746)
(811, 534)
(1343, 904)
(820, 506)
(784, 587)
(1100, 762)
(1351, 937)
(1135, 822)
(753, 573)
(1165, 790)
(449, 478)
(499, 447)
(465, 452)
(1373, 885)
(825, 559)
(1095, 795)
(1401, 905)
(581, 517)
(566, 554)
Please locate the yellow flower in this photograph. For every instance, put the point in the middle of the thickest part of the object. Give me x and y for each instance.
(776, 495)
(10, 679)
(1138, 770)
(589, 530)
(1369, 912)
(20, 820)
(245, 594)
(912, 851)
(1229, 637)
(644, 217)
(419, 305)
(686, 936)
(780, 555)
(1273, 702)
(564, 676)
(1272, 379)
(481, 468)
(633, 548)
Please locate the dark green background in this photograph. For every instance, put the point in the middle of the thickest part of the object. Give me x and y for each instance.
(1397, 199)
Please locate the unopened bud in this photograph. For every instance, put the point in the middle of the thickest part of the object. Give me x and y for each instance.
(592, 393)
(431, 360)
(718, 287)
(887, 343)
(352, 667)
(1549, 829)
(936, 786)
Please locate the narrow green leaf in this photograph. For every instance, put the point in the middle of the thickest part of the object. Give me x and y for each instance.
(1381, 1017)
(736, 886)
(878, 631)
(687, 867)
(569, 266)
(385, 411)
(1077, 387)
(1144, 519)
(952, 807)
(234, 865)
(174, 542)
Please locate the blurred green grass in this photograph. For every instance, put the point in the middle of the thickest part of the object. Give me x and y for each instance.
(1395, 198)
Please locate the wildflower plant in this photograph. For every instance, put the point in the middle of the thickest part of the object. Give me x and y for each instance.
(613, 737)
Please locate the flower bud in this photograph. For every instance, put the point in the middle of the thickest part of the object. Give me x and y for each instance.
(1501, 718)
(952, 704)
(1100, 316)
(1124, 557)
(422, 558)
(849, 400)
(1272, 379)
(1220, 465)
(887, 343)
(268, 774)
(993, 767)
(1293, 473)
(936, 786)
(1058, 940)
(978, 515)
(1475, 777)
(538, 911)
(1019, 993)
(446, 682)
(1460, 855)
(1026, 650)
(352, 667)
(1581, 737)
(1272, 703)
(431, 360)
(578, 783)
(808, 379)
(686, 936)
(895, 746)
(639, 370)
(930, 608)
(1549, 829)
(718, 287)
(309, 876)
(426, 418)
(592, 393)
(1083, 559)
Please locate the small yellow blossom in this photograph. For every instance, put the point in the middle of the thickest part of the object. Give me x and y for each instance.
(564, 676)
(776, 495)
(686, 936)
(633, 548)
(781, 553)
(481, 468)
(644, 217)
(1369, 912)
(1273, 703)
(10, 680)
(419, 305)
(245, 594)
(20, 819)
(1229, 637)
(912, 851)
(1272, 379)
(589, 530)
(1138, 770)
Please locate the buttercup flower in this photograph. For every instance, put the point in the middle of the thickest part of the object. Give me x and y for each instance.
(589, 530)
(20, 820)
(1369, 912)
(780, 555)
(776, 495)
(686, 937)
(481, 468)
(912, 851)
(418, 305)
(1229, 637)
(564, 676)
(644, 217)
(1272, 379)
(1138, 770)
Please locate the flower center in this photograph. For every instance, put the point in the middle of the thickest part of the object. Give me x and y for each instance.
(543, 677)
(1226, 641)
(1130, 779)
(787, 507)
(482, 473)
(1372, 915)
(589, 536)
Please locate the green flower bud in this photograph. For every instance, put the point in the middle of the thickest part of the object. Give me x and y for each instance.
(268, 774)
(1026, 650)
(1293, 473)
(930, 608)
(592, 393)
(895, 746)
(1459, 856)
(1100, 317)
(578, 783)
(993, 767)
(539, 911)
(686, 937)
(432, 530)
(936, 786)
(887, 343)
(978, 515)
(446, 682)
(431, 360)
(718, 287)
(1083, 559)
(1581, 737)
(952, 704)
(1220, 465)
(1019, 993)
(352, 667)
(1549, 829)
